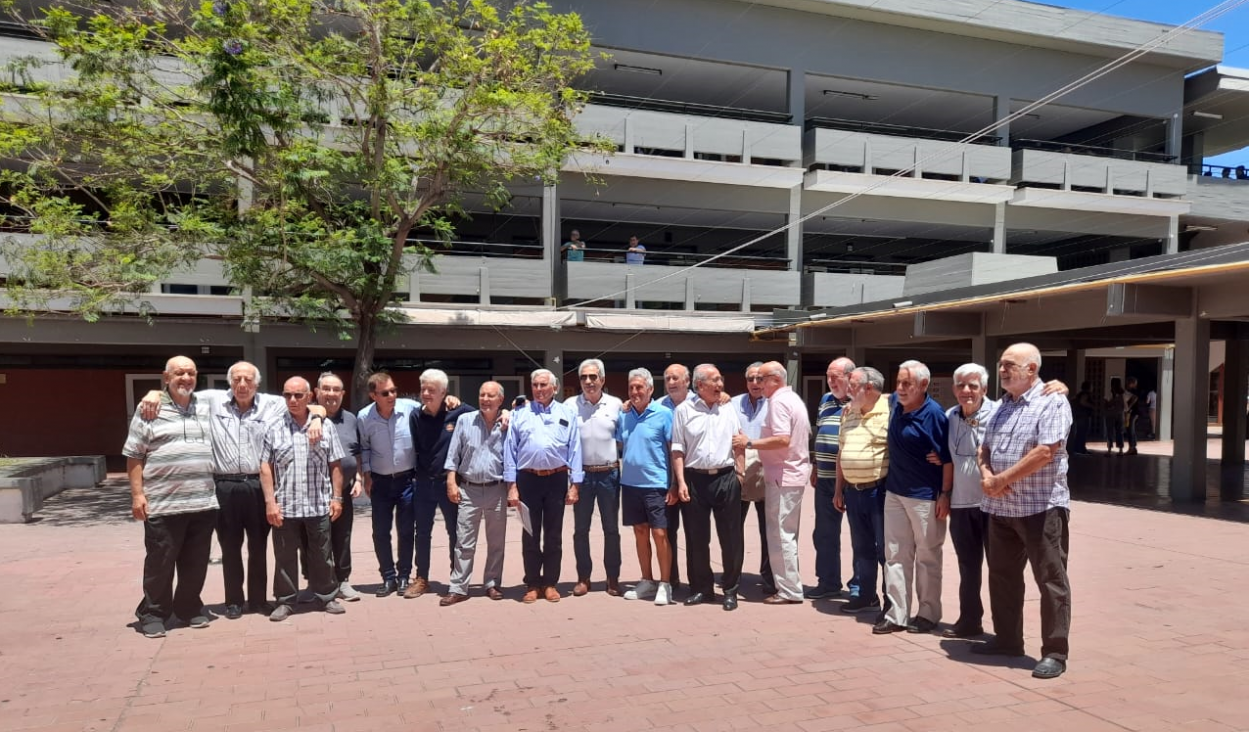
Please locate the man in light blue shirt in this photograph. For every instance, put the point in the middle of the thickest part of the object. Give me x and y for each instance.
(646, 492)
(387, 459)
(636, 253)
(542, 466)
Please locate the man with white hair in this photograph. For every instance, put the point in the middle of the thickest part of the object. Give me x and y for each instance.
(303, 488)
(787, 468)
(646, 487)
(240, 419)
(917, 504)
(542, 466)
(169, 463)
(968, 524)
(597, 415)
(432, 426)
(1023, 471)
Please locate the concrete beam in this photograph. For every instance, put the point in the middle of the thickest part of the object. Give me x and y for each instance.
(1131, 299)
(816, 338)
(948, 325)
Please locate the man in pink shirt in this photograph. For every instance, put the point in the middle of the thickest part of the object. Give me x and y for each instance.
(784, 450)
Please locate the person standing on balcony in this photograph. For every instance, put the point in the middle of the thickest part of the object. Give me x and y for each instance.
(752, 411)
(597, 414)
(636, 253)
(574, 248)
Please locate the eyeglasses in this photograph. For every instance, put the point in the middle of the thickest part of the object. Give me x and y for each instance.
(754, 378)
(192, 435)
(296, 395)
(589, 377)
(388, 392)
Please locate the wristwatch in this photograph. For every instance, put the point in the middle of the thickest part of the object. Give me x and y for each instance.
(336, 499)
(750, 445)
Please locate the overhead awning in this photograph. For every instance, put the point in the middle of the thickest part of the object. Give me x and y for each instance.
(488, 318)
(679, 323)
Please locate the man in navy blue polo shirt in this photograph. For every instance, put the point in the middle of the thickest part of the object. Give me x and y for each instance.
(917, 503)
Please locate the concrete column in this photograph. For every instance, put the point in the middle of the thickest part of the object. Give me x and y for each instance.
(984, 351)
(1171, 245)
(796, 91)
(1235, 379)
(1122, 254)
(793, 235)
(858, 354)
(1192, 379)
(1175, 135)
(1001, 110)
(1166, 394)
(554, 361)
(999, 228)
(551, 238)
(1074, 369)
(793, 371)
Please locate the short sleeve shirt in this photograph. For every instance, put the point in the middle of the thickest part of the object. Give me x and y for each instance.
(301, 471)
(177, 458)
(787, 415)
(1019, 425)
(912, 435)
(864, 441)
(644, 439)
(827, 427)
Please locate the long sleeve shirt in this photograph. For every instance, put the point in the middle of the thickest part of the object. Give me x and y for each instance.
(543, 438)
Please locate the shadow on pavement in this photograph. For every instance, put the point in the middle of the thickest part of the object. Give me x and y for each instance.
(107, 503)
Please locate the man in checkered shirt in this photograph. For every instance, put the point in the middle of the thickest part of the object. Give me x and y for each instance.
(1023, 470)
(303, 487)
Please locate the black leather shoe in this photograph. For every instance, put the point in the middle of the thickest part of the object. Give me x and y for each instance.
(699, 598)
(885, 627)
(234, 612)
(921, 625)
(387, 589)
(730, 601)
(993, 649)
(260, 608)
(1049, 668)
(963, 631)
(402, 586)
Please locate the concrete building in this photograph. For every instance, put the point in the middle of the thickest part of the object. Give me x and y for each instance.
(811, 156)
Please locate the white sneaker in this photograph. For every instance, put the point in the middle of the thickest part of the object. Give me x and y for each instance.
(663, 596)
(643, 590)
(348, 593)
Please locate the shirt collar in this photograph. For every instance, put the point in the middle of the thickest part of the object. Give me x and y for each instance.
(1028, 396)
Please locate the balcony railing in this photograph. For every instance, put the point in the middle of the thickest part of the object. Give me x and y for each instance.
(685, 259)
(1075, 170)
(1226, 172)
(1101, 152)
(701, 110)
(880, 128)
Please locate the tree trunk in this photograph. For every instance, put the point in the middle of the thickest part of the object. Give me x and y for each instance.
(366, 337)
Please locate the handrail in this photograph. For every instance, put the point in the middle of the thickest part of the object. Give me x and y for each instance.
(481, 248)
(829, 265)
(881, 128)
(1240, 172)
(702, 110)
(1102, 152)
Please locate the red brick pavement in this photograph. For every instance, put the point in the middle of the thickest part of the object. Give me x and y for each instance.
(1158, 644)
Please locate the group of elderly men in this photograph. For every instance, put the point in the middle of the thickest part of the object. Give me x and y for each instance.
(898, 465)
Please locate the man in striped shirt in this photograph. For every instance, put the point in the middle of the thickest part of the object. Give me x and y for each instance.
(303, 488)
(474, 466)
(169, 464)
(827, 534)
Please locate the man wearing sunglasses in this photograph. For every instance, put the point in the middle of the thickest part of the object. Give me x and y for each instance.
(169, 462)
(239, 420)
(597, 415)
(303, 488)
(387, 462)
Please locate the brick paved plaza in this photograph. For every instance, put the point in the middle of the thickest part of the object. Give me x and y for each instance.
(1159, 642)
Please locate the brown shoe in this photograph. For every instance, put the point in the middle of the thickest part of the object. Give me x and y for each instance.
(613, 586)
(778, 600)
(494, 594)
(451, 599)
(419, 587)
(531, 596)
(552, 594)
(582, 587)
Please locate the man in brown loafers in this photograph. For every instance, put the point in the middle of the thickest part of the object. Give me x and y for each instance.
(542, 466)
(474, 468)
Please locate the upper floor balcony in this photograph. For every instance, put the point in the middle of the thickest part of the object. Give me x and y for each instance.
(847, 156)
(680, 141)
(1088, 178)
(484, 273)
(1220, 192)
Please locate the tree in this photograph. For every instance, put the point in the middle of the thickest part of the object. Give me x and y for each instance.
(301, 142)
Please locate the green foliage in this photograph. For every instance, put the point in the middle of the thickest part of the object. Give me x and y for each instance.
(299, 141)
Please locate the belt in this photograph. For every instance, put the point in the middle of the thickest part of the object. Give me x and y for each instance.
(544, 473)
(463, 481)
(599, 468)
(236, 476)
(865, 486)
(394, 476)
(712, 471)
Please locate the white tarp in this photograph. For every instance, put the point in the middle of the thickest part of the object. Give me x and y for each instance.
(508, 318)
(679, 323)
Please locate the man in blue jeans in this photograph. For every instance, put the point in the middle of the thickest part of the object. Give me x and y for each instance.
(862, 464)
(597, 415)
(827, 534)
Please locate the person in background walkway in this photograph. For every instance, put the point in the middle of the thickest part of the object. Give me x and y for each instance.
(169, 462)
(1023, 469)
(597, 416)
(1116, 412)
(1134, 408)
(474, 466)
(1084, 412)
